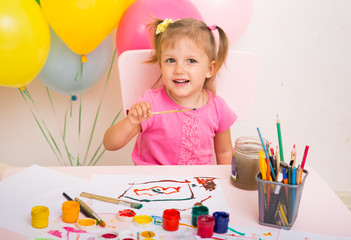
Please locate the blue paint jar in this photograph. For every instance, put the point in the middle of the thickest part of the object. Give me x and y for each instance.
(221, 222)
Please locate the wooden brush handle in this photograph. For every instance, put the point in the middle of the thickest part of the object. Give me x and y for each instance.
(100, 198)
(86, 207)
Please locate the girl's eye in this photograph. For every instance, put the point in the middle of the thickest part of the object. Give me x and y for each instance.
(170, 60)
(192, 61)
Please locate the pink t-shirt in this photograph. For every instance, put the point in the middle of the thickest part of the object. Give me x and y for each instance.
(181, 138)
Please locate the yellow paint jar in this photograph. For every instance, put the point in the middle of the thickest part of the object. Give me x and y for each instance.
(70, 211)
(40, 217)
(86, 224)
(143, 220)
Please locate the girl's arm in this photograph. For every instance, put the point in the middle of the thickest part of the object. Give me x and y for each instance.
(223, 147)
(121, 133)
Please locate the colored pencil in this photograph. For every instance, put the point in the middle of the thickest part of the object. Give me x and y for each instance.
(280, 140)
(173, 111)
(267, 155)
(263, 145)
(304, 157)
(293, 157)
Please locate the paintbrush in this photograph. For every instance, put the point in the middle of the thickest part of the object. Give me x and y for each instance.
(111, 200)
(173, 111)
(90, 212)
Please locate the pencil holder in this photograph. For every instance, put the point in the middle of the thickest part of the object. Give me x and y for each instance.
(278, 203)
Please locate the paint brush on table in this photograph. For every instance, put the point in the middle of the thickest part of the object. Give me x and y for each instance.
(111, 200)
(90, 211)
(173, 111)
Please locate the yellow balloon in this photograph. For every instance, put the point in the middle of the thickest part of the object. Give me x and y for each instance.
(24, 42)
(82, 24)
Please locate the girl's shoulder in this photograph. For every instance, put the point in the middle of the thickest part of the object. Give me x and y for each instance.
(216, 99)
(155, 92)
(220, 105)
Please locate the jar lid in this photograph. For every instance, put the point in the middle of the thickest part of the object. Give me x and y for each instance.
(171, 214)
(40, 211)
(70, 205)
(249, 144)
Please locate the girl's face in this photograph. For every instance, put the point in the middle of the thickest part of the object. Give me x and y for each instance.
(184, 71)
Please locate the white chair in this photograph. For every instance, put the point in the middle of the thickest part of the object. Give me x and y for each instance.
(236, 80)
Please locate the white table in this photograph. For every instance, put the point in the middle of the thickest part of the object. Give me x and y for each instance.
(321, 211)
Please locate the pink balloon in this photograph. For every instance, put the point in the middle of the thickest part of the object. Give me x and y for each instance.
(132, 32)
(233, 16)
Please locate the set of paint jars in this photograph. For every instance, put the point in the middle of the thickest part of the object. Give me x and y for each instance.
(207, 224)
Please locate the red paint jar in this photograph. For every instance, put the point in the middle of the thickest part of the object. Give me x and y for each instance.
(171, 219)
(205, 226)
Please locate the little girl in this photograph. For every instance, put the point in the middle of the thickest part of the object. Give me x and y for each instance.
(187, 54)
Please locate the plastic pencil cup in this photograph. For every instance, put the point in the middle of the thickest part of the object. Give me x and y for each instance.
(278, 203)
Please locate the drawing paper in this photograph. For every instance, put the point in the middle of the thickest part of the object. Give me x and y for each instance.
(158, 193)
(32, 187)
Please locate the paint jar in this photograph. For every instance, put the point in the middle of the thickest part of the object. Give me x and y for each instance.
(111, 235)
(221, 222)
(196, 212)
(40, 216)
(125, 215)
(70, 211)
(143, 221)
(148, 235)
(171, 219)
(245, 163)
(205, 226)
(126, 235)
(86, 224)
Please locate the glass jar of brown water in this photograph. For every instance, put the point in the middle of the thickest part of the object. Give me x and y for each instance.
(245, 163)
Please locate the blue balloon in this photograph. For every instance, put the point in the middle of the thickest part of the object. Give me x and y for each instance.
(62, 65)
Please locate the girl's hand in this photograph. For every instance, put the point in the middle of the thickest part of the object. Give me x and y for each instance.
(139, 112)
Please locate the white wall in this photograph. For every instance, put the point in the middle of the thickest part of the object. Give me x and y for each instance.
(304, 76)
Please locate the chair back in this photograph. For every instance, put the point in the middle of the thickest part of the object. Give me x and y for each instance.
(236, 80)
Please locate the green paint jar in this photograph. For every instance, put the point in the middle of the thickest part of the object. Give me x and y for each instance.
(196, 212)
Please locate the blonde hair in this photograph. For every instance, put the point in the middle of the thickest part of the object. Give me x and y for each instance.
(197, 31)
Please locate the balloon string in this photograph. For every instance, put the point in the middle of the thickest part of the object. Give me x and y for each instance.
(25, 92)
(62, 134)
(71, 157)
(98, 149)
(98, 111)
(79, 117)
